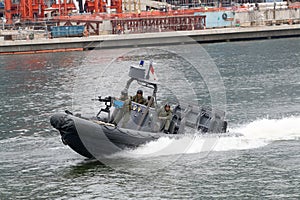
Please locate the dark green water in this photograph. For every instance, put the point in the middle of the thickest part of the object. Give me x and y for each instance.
(261, 82)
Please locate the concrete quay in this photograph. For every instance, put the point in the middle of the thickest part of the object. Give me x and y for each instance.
(147, 39)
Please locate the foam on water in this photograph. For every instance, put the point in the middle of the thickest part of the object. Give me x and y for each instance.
(256, 134)
(272, 129)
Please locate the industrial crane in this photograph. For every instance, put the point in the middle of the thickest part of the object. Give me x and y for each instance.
(32, 10)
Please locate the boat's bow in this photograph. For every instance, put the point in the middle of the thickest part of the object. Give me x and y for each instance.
(67, 129)
(91, 139)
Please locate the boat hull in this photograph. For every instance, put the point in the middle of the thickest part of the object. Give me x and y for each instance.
(93, 140)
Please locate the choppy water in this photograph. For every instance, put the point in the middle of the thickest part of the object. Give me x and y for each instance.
(261, 80)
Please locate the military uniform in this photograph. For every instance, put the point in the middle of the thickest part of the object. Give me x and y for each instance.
(165, 117)
(139, 100)
(123, 112)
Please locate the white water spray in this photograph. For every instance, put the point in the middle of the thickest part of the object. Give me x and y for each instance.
(256, 134)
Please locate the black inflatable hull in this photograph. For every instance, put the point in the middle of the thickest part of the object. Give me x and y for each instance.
(93, 140)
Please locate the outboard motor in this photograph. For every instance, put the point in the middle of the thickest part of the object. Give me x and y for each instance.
(176, 119)
(203, 121)
(217, 125)
(224, 127)
(211, 121)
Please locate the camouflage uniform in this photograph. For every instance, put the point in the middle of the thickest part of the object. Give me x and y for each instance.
(165, 117)
(140, 100)
(123, 112)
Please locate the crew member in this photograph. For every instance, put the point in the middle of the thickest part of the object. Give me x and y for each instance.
(124, 111)
(138, 98)
(165, 115)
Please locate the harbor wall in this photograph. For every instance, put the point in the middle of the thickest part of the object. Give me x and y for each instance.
(148, 39)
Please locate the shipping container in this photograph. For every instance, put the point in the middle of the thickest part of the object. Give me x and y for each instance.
(67, 31)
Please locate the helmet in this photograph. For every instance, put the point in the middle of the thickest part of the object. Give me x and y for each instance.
(139, 92)
(124, 92)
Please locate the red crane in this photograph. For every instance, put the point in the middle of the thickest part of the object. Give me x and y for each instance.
(32, 10)
(7, 9)
(25, 9)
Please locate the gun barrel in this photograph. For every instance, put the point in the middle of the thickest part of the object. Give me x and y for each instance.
(105, 99)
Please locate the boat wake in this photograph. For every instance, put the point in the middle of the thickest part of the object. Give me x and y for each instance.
(256, 134)
(272, 129)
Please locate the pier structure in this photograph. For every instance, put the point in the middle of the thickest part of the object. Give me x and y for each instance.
(148, 39)
(158, 24)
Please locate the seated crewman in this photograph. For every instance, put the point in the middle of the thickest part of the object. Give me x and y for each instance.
(138, 98)
(165, 115)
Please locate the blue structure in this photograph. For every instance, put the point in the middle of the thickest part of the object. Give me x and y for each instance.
(218, 19)
(67, 31)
